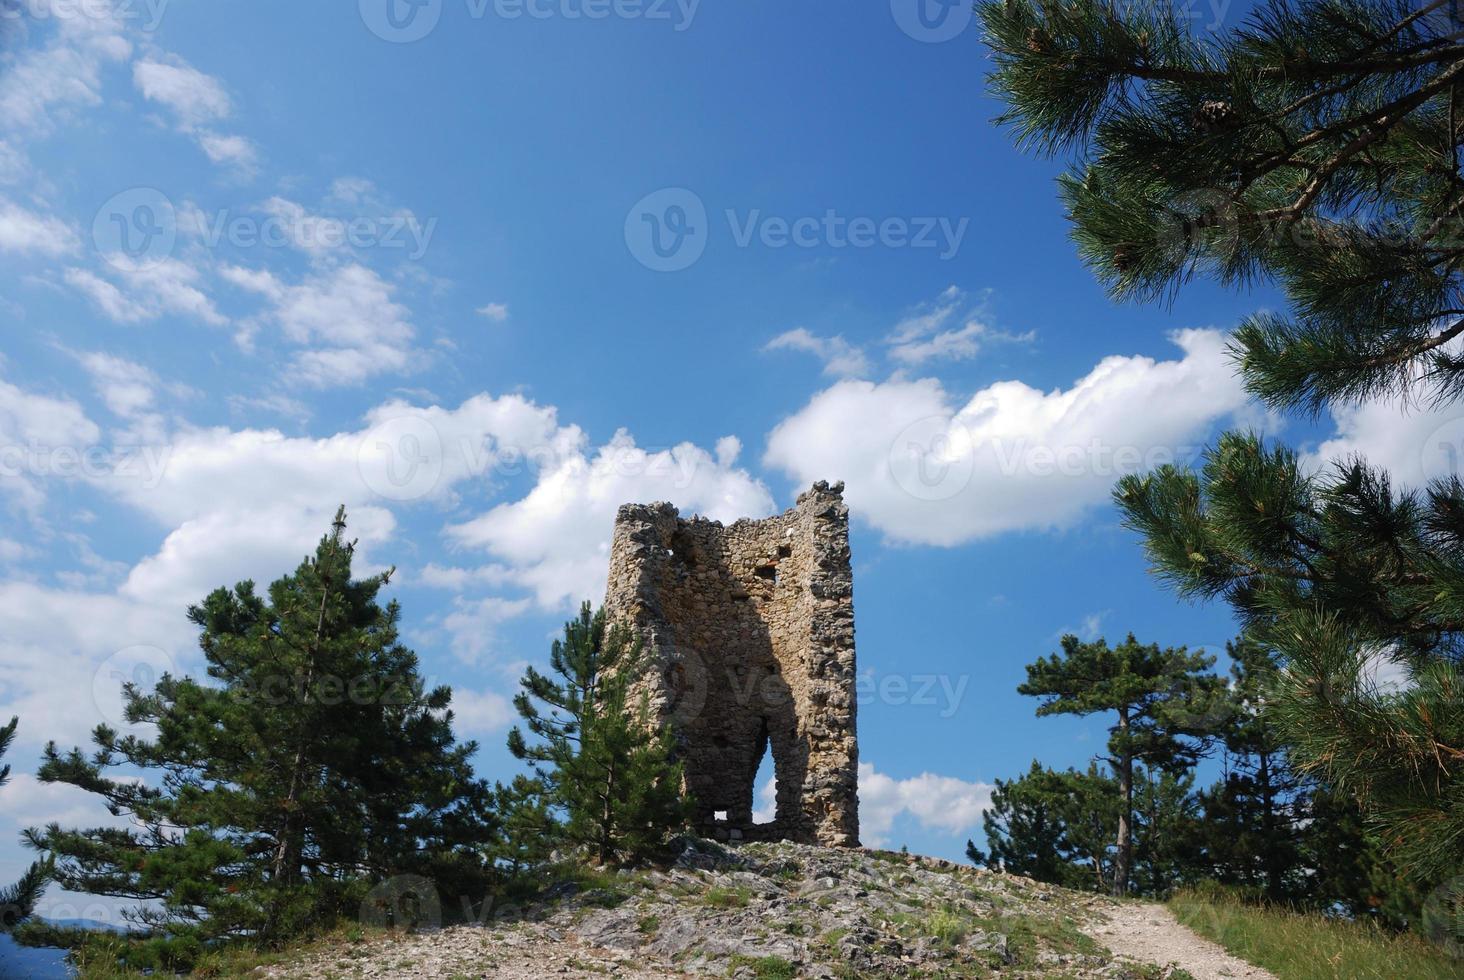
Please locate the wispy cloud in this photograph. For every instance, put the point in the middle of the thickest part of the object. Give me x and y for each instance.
(497, 312)
(941, 331)
(840, 358)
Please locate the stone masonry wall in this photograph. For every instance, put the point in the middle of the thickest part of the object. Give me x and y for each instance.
(750, 631)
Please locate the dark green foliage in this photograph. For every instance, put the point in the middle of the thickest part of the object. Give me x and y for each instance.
(19, 900)
(1060, 827)
(1166, 815)
(1053, 826)
(313, 763)
(1277, 834)
(597, 758)
(1315, 147)
(1345, 867)
(1263, 830)
(1341, 575)
(1160, 699)
(1256, 816)
(530, 831)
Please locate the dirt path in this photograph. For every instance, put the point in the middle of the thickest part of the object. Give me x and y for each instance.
(1152, 934)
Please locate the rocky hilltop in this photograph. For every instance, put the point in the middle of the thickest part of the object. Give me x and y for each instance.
(774, 910)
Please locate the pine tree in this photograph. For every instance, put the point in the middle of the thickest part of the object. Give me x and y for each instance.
(530, 831)
(1315, 147)
(1339, 574)
(312, 762)
(1052, 826)
(1155, 694)
(1256, 816)
(18, 901)
(598, 756)
(1166, 819)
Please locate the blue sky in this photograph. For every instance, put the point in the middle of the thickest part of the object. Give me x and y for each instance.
(262, 258)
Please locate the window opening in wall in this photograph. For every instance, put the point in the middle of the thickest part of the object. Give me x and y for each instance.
(765, 784)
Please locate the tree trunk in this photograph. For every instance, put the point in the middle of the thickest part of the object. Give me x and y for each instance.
(1123, 860)
(1268, 827)
(285, 869)
(606, 815)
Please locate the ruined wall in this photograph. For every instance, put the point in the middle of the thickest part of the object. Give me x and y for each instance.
(750, 630)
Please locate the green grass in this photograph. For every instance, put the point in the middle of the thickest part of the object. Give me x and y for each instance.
(832, 937)
(727, 898)
(98, 960)
(947, 928)
(1309, 947)
(766, 967)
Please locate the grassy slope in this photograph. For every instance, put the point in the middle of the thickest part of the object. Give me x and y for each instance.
(1308, 947)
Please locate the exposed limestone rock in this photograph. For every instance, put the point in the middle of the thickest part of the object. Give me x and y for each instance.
(772, 909)
(750, 630)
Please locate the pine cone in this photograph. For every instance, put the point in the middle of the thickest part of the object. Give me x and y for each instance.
(1037, 40)
(1212, 116)
(1124, 257)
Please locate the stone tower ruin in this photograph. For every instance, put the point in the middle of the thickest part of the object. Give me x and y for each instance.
(750, 634)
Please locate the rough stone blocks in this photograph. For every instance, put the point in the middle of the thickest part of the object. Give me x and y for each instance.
(750, 631)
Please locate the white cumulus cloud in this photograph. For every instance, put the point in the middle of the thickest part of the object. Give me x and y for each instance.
(926, 469)
(942, 803)
(556, 539)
